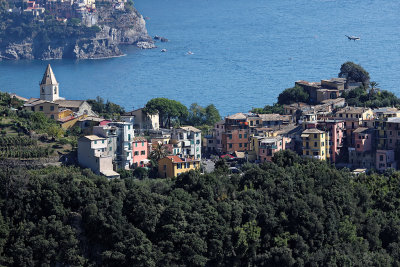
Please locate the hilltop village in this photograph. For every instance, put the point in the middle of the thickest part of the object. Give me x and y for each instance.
(326, 128)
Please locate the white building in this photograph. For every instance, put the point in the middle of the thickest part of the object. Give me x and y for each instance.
(188, 140)
(92, 154)
(119, 136)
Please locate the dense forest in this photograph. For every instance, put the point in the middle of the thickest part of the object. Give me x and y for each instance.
(291, 212)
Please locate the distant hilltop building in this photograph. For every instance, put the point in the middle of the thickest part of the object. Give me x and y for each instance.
(66, 112)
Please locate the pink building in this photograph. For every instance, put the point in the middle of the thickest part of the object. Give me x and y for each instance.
(385, 159)
(270, 145)
(139, 151)
(363, 139)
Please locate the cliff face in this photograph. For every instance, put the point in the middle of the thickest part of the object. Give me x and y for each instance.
(116, 28)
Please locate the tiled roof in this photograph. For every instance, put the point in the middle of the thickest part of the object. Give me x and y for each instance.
(237, 116)
(93, 137)
(139, 139)
(314, 130)
(360, 130)
(353, 110)
(190, 128)
(175, 158)
(69, 103)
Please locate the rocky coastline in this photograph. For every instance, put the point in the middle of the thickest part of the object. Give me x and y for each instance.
(116, 29)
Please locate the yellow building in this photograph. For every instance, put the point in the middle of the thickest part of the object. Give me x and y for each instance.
(172, 166)
(315, 144)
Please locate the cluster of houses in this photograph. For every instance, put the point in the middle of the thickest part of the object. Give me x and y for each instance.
(112, 145)
(356, 137)
(67, 9)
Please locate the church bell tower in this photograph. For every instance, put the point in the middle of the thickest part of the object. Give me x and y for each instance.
(49, 86)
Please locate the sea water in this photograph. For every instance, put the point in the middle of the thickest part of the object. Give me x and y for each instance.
(243, 53)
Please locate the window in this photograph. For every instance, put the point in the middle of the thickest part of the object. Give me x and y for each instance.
(307, 152)
(315, 153)
(41, 108)
(251, 123)
(240, 135)
(110, 148)
(142, 143)
(33, 109)
(187, 165)
(358, 145)
(143, 152)
(381, 158)
(51, 108)
(315, 135)
(127, 154)
(323, 144)
(42, 90)
(197, 142)
(135, 144)
(102, 141)
(230, 136)
(165, 167)
(240, 145)
(136, 153)
(129, 127)
(245, 135)
(129, 137)
(198, 156)
(95, 142)
(55, 90)
(230, 145)
(315, 144)
(52, 116)
(194, 164)
(245, 144)
(340, 115)
(179, 166)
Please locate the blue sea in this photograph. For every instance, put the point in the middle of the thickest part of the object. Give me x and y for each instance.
(244, 53)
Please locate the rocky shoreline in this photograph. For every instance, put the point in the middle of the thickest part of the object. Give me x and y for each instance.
(128, 28)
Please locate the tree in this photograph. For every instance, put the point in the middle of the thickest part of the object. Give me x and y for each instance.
(169, 111)
(158, 152)
(293, 95)
(212, 115)
(355, 72)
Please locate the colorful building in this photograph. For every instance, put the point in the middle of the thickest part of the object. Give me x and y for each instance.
(362, 154)
(315, 144)
(139, 151)
(92, 154)
(172, 166)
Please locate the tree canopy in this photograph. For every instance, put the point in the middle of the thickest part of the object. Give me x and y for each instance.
(354, 72)
(291, 212)
(170, 111)
(293, 95)
(199, 115)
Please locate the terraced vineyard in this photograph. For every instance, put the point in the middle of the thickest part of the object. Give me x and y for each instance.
(22, 147)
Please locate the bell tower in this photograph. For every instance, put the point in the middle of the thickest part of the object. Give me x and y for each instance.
(49, 86)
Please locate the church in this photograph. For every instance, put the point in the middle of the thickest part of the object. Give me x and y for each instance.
(54, 106)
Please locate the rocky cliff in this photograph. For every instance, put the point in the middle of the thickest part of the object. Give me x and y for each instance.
(115, 28)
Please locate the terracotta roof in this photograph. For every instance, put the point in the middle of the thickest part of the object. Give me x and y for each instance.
(175, 158)
(48, 77)
(68, 118)
(12, 95)
(35, 102)
(69, 103)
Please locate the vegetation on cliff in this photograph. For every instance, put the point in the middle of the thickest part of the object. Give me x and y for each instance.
(292, 212)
